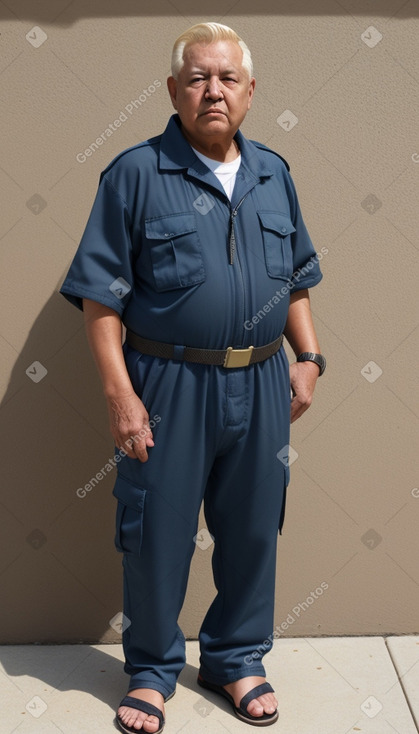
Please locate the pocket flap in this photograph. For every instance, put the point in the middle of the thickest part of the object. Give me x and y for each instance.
(129, 494)
(169, 226)
(277, 222)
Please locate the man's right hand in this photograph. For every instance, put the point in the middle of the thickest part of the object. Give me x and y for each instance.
(129, 423)
(127, 415)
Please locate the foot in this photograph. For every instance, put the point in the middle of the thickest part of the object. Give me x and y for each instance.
(265, 704)
(138, 719)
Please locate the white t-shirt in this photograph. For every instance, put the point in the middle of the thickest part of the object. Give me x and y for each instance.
(225, 172)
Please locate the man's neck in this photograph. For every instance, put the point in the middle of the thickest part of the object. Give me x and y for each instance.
(224, 151)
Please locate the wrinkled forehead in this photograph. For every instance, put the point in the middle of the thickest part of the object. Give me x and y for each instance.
(213, 57)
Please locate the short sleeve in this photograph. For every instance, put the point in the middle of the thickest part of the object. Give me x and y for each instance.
(102, 266)
(306, 269)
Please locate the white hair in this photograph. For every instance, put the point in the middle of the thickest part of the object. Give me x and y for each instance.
(208, 33)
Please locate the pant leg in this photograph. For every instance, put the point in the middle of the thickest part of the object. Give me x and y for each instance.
(157, 512)
(244, 506)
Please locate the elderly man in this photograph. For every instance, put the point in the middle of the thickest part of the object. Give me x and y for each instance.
(197, 245)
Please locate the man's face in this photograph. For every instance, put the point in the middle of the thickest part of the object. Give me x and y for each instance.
(212, 92)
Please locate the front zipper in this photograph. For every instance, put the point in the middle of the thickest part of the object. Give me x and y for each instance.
(232, 250)
(232, 236)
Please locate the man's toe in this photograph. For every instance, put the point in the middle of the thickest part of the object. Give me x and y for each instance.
(261, 705)
(255, 708)
(126, 715)
(131, 717)
(151, 724)
(268, 704)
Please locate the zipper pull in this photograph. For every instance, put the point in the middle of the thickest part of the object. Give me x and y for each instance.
(232, 237)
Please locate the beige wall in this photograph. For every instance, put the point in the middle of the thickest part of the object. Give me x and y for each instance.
(352, 509)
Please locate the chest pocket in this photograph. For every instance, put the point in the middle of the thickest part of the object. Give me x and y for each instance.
(175, 251)
(276, 231)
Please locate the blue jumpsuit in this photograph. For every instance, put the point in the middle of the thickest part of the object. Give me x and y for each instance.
(180, 263)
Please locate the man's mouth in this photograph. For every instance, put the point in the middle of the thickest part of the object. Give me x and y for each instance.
(213, 111)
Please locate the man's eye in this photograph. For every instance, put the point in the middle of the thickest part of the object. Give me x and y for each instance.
(196, 79)
(229, 79)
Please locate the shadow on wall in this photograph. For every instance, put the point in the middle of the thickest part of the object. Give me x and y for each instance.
(65, 13)
(58, 561)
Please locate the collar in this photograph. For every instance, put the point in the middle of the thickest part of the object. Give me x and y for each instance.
(177, 154)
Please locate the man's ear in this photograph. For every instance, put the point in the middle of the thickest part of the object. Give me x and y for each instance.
(172, 87)
(251, 92)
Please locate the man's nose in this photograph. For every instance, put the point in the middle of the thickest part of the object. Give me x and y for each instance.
(213, 90)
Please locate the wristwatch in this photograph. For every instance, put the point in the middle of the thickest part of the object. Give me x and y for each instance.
(312, 357)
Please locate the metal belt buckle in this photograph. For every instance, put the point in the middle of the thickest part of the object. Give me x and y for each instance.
(238, 357)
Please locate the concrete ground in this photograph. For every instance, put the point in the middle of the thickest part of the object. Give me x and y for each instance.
(333, 685)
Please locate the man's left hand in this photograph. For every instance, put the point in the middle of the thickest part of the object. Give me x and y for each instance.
(303, 378)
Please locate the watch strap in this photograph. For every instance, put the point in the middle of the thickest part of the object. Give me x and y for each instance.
(313, 357)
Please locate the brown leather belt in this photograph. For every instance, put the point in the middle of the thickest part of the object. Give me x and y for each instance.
(226, 357)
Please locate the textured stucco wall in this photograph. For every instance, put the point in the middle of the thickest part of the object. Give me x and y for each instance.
(352, 508)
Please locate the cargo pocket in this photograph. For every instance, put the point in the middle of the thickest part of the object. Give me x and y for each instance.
(175, 251)
(276, 231)
(129, 516)
(284, 499)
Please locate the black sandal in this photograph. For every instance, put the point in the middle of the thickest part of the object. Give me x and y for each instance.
(241, 710)
(146, 708)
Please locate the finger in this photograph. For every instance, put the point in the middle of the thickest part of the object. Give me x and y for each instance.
(144, 436)
(298, 410)
(134, 445)
(141, 451)
(142, 441)
(126, 448)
